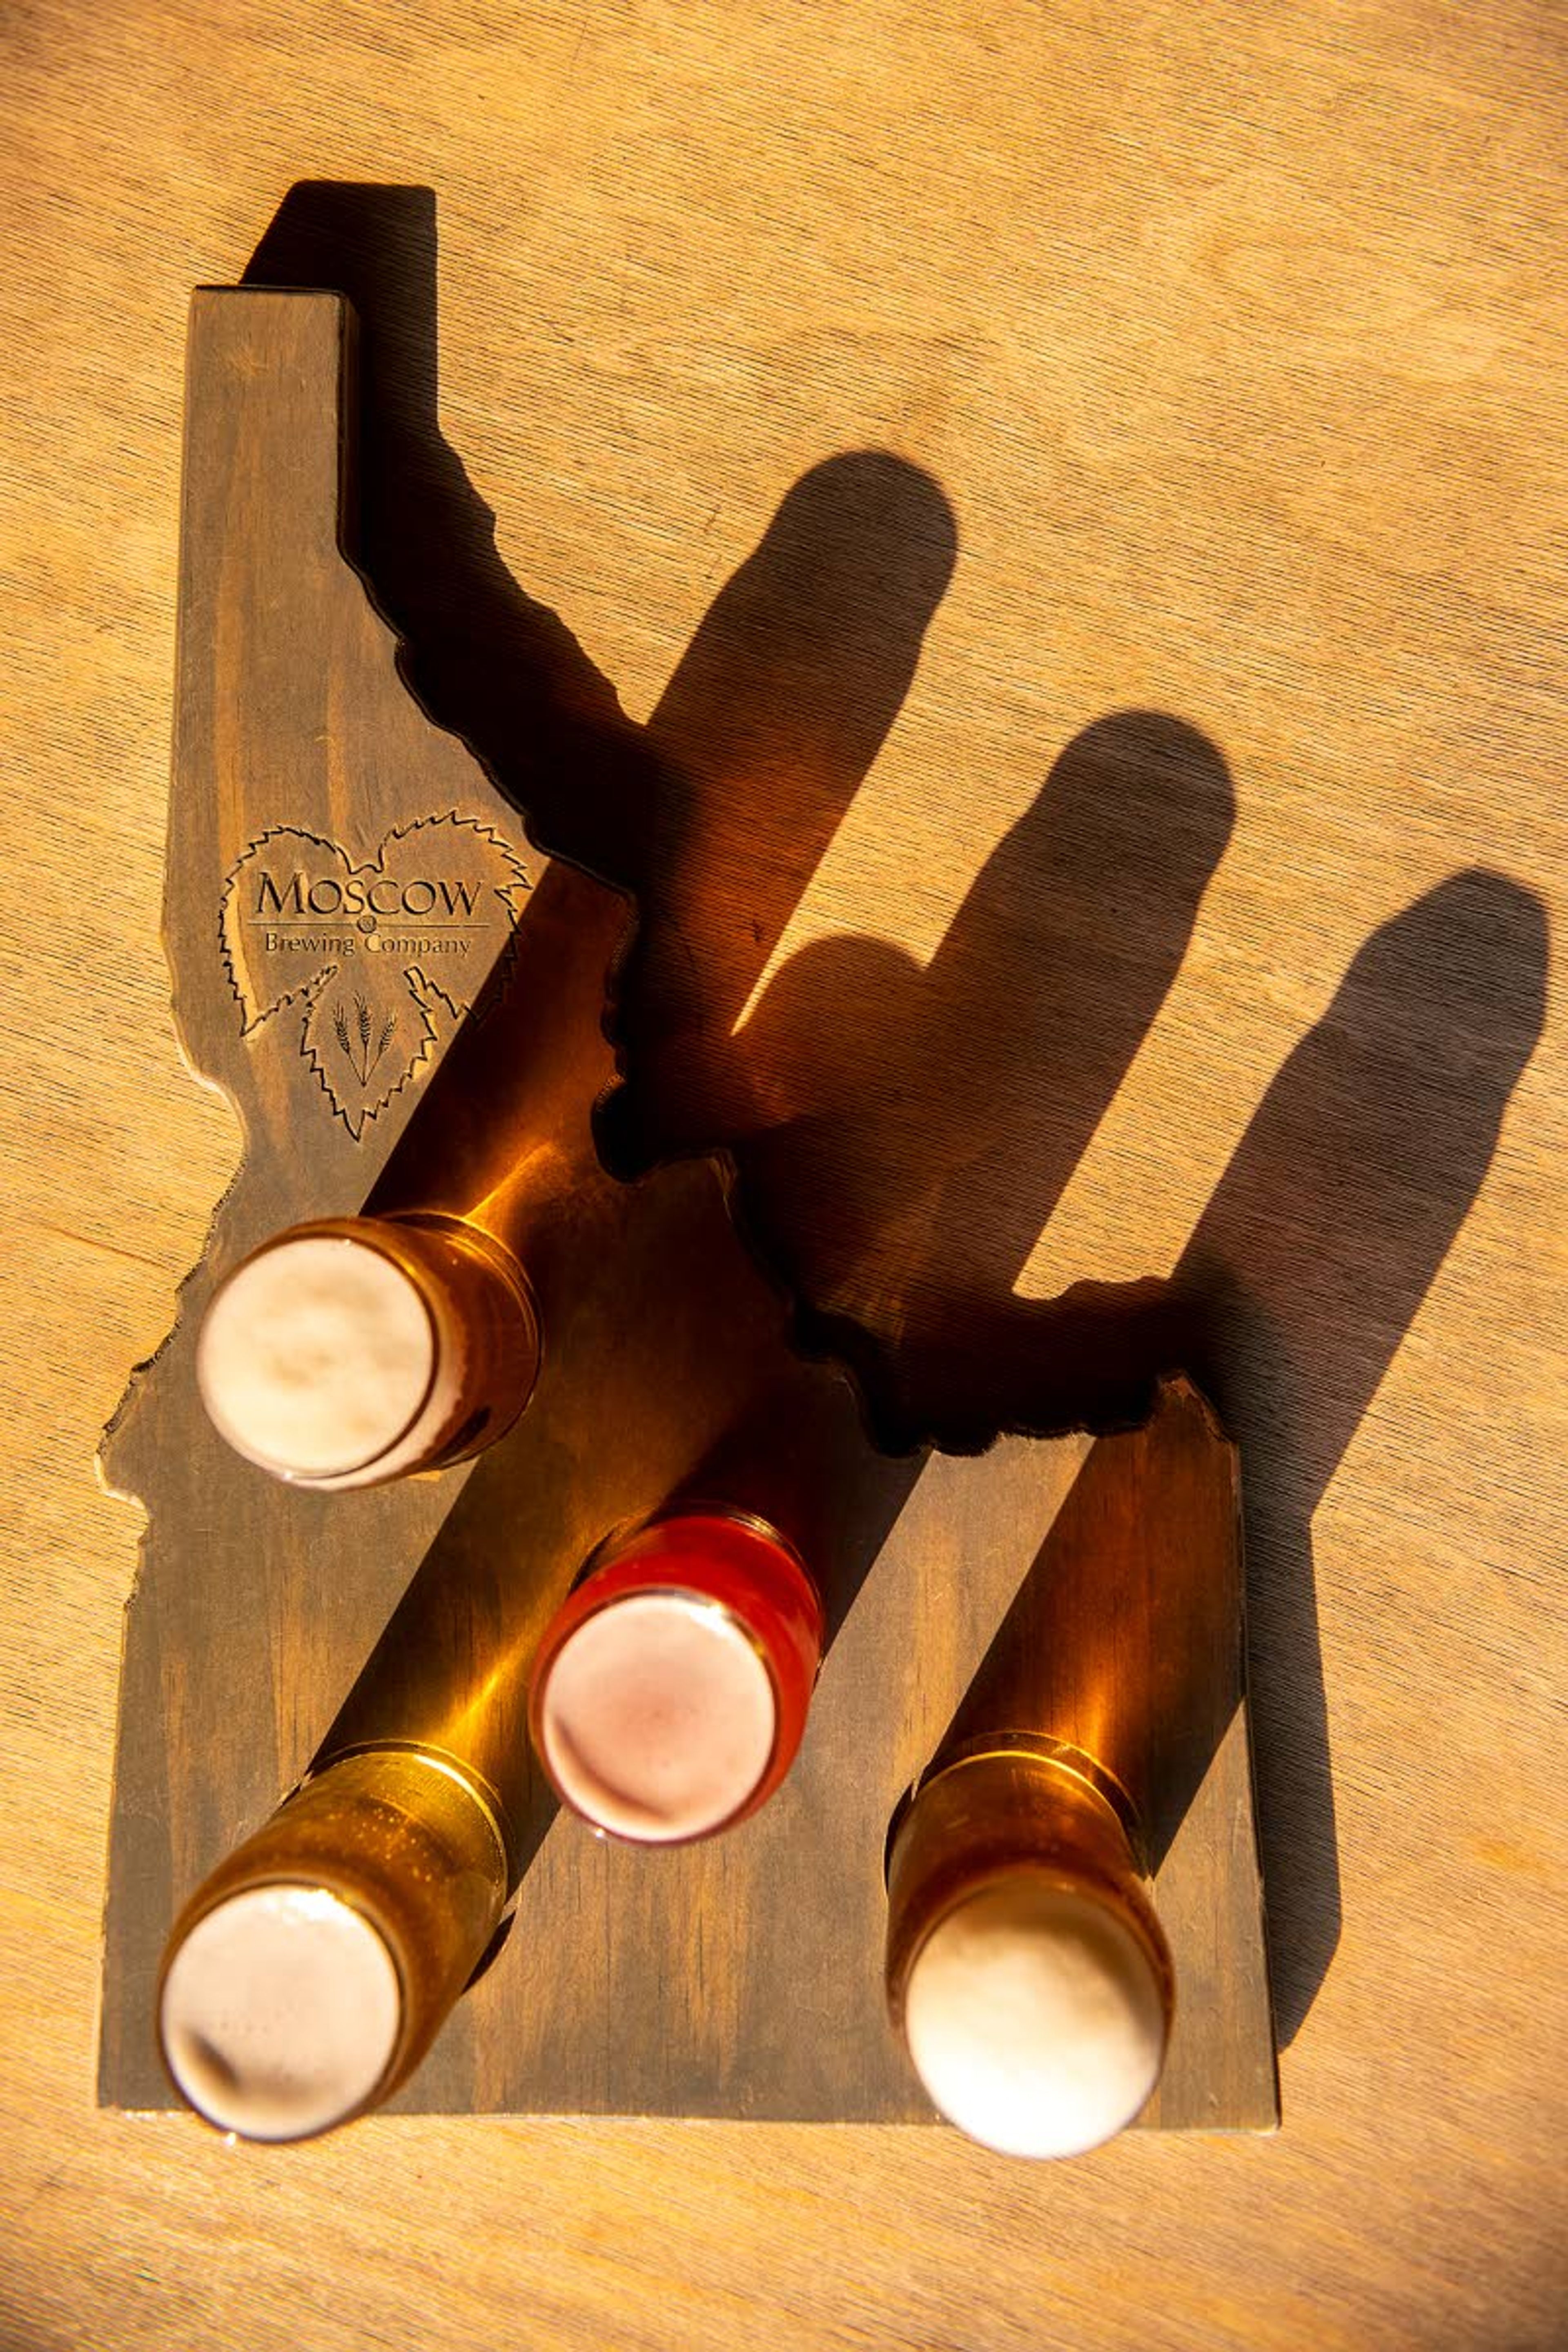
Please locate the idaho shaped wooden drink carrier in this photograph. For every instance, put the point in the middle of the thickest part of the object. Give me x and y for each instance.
(403, 1000)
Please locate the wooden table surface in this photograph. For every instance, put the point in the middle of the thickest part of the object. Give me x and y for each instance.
(1217, 358)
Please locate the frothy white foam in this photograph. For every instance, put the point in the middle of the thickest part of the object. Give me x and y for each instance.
(658, 1717)
(280, 2012)
(315, 1356)
(1035, 2019)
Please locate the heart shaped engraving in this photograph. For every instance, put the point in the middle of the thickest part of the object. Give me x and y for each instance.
(384, 958)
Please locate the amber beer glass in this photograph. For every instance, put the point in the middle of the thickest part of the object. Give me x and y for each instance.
(1026, 1971)
(308, 1974)
(348, 1350)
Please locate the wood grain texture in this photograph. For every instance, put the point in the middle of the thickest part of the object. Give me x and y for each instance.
(306, 785)
(1233, 341)
(407, 1006)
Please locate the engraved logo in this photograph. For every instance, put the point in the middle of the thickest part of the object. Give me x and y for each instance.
(384, 959)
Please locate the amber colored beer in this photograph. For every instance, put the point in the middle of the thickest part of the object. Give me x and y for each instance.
(310, 1972)
(351, 1350)
(1027, 1969)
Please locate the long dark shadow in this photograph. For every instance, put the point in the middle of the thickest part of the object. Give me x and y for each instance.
(1306, 1271)
(718, 812)
(1290, 1301)
(767, 728)
(484, 657)
(929, 1119)
(666, 1367)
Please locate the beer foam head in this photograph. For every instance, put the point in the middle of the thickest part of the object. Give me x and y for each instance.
(316, 1356)
(658, 1717)
(1035, 2019)
(280, 2012)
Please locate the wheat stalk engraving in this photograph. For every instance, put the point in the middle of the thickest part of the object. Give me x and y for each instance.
(358, 1052)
